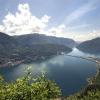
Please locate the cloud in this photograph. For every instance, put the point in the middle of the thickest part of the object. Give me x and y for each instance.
(57, 30)
(23, 22)
(81, 11)
(73, 32)
(63, 31)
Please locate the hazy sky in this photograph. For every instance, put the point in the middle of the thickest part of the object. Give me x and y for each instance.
(77, 19)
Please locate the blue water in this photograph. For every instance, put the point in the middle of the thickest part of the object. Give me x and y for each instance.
(68, 72)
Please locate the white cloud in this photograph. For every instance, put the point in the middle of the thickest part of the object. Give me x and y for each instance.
(1, 28)
(62, 31)
(23, 22)
(57, 31)
(73, 31)
(83, 36)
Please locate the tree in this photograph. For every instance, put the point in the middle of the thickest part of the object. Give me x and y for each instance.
(29, 88)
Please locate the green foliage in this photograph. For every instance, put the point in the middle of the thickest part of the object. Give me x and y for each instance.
(29, 88)
(41, 88)
(92, 95)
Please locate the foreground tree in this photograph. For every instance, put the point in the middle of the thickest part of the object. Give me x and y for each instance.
(29, 88)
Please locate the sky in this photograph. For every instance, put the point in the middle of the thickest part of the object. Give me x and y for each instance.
(76, 19)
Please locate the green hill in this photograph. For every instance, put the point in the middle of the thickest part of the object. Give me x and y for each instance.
(90, 46)
(14, 49)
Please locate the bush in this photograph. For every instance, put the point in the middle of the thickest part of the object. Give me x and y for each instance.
(29, 88)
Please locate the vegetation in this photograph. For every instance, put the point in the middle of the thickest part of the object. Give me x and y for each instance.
(30, 48)
(92, 95)
(41, 88)
(90, 46)
(29, 88)
(30, 39)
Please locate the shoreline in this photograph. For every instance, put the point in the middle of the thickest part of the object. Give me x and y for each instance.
(92, 80)
(10, 64)
(29, 60)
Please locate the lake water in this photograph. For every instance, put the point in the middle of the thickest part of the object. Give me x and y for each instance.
(68, 72)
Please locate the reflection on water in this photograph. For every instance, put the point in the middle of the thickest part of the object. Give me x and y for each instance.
(68, 72)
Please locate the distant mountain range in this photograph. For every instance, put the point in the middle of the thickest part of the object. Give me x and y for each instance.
(90, 46)
(31, 39)
(31, 47)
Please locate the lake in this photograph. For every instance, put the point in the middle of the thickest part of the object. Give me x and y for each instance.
(68, 72)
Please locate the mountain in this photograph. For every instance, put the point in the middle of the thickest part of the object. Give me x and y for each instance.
(90, 46)
(6, 40)
(8, 47)
(28, 48)
(31, 39)
(7, 44)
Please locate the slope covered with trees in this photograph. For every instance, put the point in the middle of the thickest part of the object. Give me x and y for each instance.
(30, 39)
(90, 46)
(29, 48)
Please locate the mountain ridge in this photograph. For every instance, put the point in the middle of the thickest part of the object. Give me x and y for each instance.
(41, 38)
(14, 49)
(90, 46)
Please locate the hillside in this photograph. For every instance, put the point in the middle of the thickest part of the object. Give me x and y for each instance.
(31, 39)
(7, 42)
(90, 46)
(27, 49)
(41, 51)
(8, 46)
